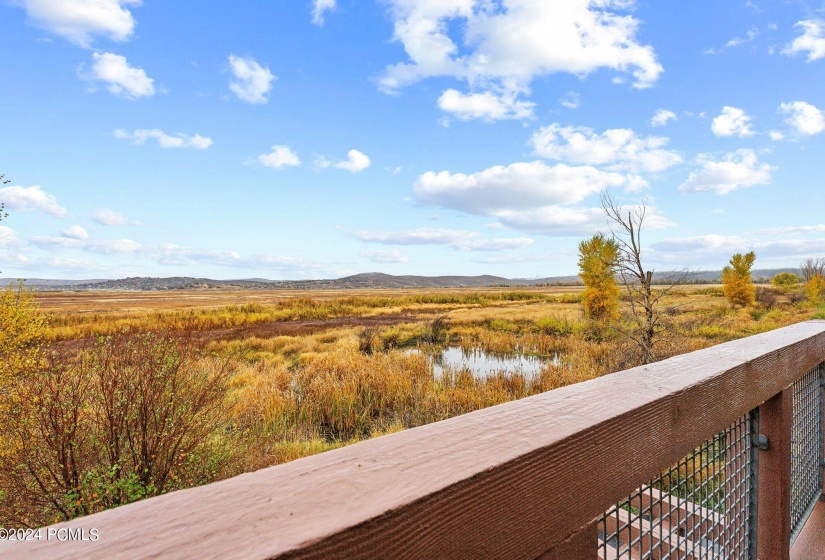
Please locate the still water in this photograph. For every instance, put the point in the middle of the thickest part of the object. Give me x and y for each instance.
(483, 364)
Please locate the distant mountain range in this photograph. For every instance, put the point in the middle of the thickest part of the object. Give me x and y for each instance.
(369, 280)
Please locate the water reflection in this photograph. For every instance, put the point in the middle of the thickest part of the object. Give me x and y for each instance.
(484, 364)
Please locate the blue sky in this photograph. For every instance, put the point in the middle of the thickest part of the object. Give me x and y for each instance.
(306, 139)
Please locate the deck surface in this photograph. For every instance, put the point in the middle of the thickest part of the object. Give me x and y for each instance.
(810, 544)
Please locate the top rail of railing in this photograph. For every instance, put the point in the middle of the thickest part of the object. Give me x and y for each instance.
(516, 480)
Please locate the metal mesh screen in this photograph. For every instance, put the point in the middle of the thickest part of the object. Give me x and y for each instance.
(698, 509)
(806, 447)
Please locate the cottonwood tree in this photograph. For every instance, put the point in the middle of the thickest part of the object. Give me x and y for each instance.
(815, 289)
(736, 280)
(626, 225)
(598, 257)
(811, 268)
(785, 281)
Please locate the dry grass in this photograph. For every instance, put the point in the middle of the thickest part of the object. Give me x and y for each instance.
(299, 394)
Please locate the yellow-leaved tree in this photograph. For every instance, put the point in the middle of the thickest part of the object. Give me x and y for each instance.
(22, 326)
(598, 257)
(736, 279)
(815, 289)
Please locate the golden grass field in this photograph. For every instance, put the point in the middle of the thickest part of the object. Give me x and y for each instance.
(304, 379)
(303, 372)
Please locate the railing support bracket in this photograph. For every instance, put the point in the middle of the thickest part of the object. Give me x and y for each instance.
(761, 441)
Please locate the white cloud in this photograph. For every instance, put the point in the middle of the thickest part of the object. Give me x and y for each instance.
(319, 9)
(487, 106)
(8, 237)
(80, 20)
(737, 170)
(507, 44)
(811, 41)
(75, 232)
(421, 236)
(752, 34)
(662, 117)
(252, 81)
(164, 140)
(31, 198)
(457, 239)
(533, 196)
(111, 218)
(714, 250)
(560, 220)
(572, 100)
(48, 242)
(518, 186)
(732, 122)
(114, 246)
(120, 78)
(776, 135)
(820, 228)
(386, 256)
(621, 148)
(355, 162)
(804, 117)
(280, 156)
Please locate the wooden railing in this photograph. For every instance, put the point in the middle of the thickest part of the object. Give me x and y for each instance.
(526, 479)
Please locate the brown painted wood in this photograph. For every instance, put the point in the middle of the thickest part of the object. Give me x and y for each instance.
(774, 510)
(511, 481)
(810, 544)
(580, 546)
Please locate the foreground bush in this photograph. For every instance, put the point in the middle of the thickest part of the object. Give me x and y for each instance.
(126, 418)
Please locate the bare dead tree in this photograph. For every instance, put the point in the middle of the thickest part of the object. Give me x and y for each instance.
(812, 267)
(626, 226)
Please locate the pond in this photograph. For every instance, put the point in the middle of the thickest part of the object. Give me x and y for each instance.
(483, 364)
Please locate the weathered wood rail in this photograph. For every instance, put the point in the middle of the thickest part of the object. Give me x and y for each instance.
(526, 479)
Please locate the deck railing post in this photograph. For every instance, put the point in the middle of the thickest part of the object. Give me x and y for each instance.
(774, 479)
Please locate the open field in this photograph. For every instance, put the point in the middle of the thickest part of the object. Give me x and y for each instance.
(263, 377)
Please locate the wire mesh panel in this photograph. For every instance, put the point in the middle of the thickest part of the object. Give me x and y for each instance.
(806, 447)
(700, 509)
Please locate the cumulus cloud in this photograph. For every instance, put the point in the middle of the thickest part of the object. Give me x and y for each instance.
(811, 41)
(804, 117)
(280, 156)
(737, 170)
(164, 140)
(776, 135)
(119, 77)
(662, 117)
(252, 81)
(355, 162)
(385, 256)
(457, 239)
(8, 237)
(319, 10)
(534, 197)
(31, 199)
(80, 20)
(518, 186)
(108, 217)
(487, 106)
(75, 232)
(732, 122)
(620, 148)
(507, 44)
